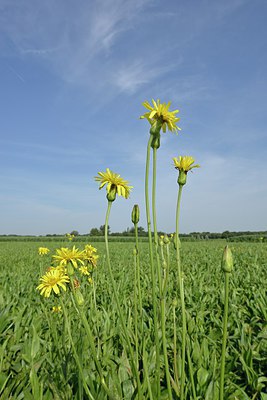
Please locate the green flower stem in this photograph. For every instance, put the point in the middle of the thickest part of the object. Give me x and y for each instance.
(166, 277)
(225, 319)
(181, 289)
(164, 344)
(122, 320)
(140, 300)
(162, 298)
(153, 279)
(176, 375)
(154, 213)
(80, 368)
(163, 324)
(136, 312)
(91, 341)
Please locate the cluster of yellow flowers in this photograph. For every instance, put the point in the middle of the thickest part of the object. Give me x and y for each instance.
(65, 259)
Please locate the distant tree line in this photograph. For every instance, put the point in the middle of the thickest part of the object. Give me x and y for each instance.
(231, 236)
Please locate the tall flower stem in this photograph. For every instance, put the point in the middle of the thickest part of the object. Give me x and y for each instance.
(152, 268)
(122, 320)
(136, 312)
(163, 292)
(137, 255)
(90, 339)
(225, 319)
(181, 289)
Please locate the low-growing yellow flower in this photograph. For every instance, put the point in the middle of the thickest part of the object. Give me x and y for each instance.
(89, 255)
(115, 184)
(52, 280)
(90, 280)
(84, 270)
(57, 309)
(159, 112)
(43, 251)
(65, 256)
(184, 163)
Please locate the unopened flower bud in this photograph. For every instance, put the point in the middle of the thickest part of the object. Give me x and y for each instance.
(166, 240)
(70, 269)
(161, 243)
(175, 303)
(135, 214)
(227, 260)
(79, 297)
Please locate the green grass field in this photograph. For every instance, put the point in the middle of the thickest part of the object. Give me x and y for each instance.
(37, 359)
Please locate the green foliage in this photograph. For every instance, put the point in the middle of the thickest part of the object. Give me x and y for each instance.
(36, 357)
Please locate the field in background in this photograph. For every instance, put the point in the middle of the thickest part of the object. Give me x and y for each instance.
(35, 353)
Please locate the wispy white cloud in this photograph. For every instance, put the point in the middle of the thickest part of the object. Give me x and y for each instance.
(129, 78)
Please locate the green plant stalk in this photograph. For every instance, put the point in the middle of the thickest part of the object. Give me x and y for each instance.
(176, 375)
(162, 298)
(224, 340)
(152, 268)
(136, 313)
(122, 321)
(154, 214)
(163, 325)
(80, 368)
(91, 342)
(140, 300)
(167, 270)
(181, 289)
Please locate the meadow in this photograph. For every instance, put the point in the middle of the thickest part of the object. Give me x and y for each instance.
(40, 348)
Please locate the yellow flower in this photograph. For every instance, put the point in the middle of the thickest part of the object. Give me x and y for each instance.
(84, 270)
(90, 280)
(89, 255)
(160, 112)
(43, 251)
(51, 281)
(56, 309)
(115, 184)
(185, 163)
(65, 256)
(89, 249)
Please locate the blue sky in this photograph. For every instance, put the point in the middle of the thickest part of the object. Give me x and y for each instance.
(73, 77)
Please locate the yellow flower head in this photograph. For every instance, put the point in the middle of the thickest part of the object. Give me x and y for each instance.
(89, 255)
(160, 112)
(43, 251)
(115, 184)
(184, 163)
(84, 270)
(56, 309)
(52, 280)
(65, 256)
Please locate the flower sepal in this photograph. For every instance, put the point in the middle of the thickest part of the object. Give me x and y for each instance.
(182, 178)
(111, 195)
